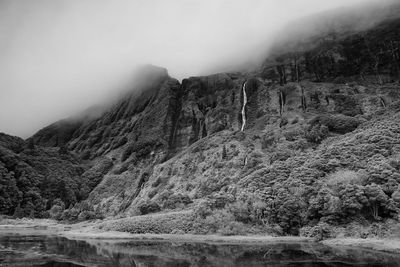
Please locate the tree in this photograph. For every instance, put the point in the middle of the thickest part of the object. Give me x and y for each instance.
(376, 199)
(56, 212)
(352, 198)
(59, 202)
(286, 209)
(18, 213)
(324, 204)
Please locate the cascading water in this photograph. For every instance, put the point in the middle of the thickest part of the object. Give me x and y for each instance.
(244, 107)
(383, 102)
(281, 103)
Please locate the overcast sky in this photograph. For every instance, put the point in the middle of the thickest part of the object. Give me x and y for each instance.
(58, 57)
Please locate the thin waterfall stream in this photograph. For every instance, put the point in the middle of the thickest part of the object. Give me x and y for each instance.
(244, 107)
(383, 103)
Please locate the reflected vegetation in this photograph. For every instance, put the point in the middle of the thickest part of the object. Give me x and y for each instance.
(29, 250)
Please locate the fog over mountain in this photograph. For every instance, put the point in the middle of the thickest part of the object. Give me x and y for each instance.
(60, 57)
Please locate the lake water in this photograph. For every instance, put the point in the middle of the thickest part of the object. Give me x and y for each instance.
(48, 250)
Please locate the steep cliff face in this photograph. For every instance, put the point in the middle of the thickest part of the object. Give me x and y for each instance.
(208, 105)
(180, 115)
(277, 120)
(369, 56)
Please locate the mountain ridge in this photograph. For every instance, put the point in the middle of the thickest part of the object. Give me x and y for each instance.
(321, 127)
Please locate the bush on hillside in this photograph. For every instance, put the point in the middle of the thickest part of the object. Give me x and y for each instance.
(177, 200)
(338, 123)
(316, 133)
(148, 207)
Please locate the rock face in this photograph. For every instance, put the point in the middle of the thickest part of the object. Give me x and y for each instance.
(370, 56)
(208, 105)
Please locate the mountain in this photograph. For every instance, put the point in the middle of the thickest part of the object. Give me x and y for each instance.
(310, 138)
(308, 32)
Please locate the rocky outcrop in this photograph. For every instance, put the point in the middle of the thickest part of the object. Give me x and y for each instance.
(208, 105)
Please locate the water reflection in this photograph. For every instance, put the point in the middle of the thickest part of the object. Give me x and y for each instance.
(30, 250)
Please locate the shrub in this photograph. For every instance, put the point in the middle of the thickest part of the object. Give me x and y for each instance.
(292, 135)
(240, 136)
(18, 213)
(267, 141)
(241, 211)
(155, 223)
(56, 212)
(218, 219)
(59, 202)
(337, 123)
(300, 144)
(316, 133)
(220, 200)
(176, 200)
(203, 209)
(165, 195)
(149, 207)
(86, 215)
(319, 232)
(70, 214)
(280, 155)
(232, 228)
(254, 159)
(177, 232)
(284, 122)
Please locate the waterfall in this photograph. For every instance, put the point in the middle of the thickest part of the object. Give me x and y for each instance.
(281, 102)
(303, 100)
(383, 102)
(244, 107)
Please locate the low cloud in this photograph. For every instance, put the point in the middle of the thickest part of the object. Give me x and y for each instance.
(58, 57)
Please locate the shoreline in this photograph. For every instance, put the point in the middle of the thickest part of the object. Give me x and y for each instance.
(190, 238)
(87, 231)
(376, 244)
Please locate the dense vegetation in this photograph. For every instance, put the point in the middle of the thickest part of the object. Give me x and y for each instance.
(35, 179)
(349, 184)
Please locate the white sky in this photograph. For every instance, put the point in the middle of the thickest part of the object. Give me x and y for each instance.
(58, 57)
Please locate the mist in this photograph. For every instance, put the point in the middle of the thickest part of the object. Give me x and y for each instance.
(58, 57)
